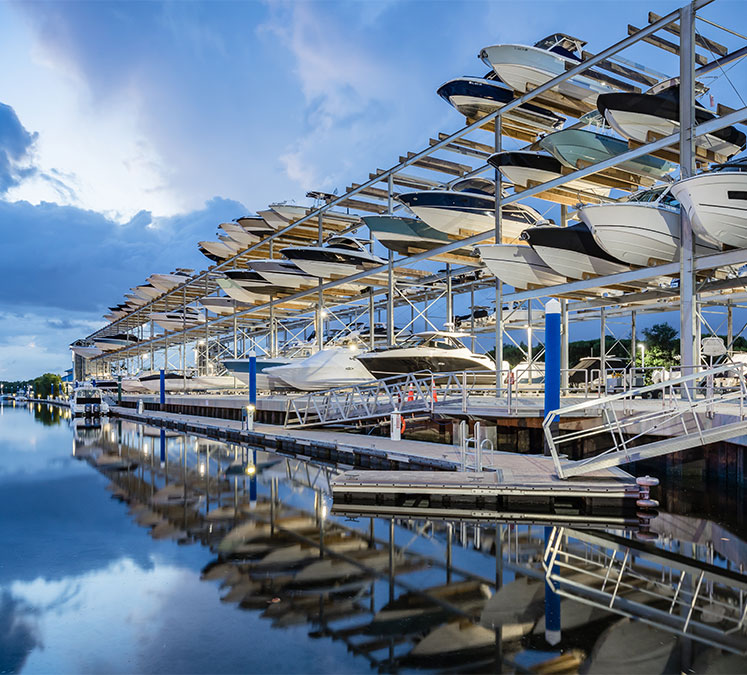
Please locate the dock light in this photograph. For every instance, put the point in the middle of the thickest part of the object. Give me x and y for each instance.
(250, 470)
(323, 313)
(201, 468)
(250, 409)
(642, 347)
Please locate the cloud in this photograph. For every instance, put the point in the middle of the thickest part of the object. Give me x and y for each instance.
(15, 149)
(18, 632)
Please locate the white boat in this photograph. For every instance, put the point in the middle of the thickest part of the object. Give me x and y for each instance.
(215, 382)
(644, 230)
(468, 208)
(339, 256)
(293, 212)
(239, 368)
(110, 343)
(132, 385)
(436, 351)
(222, 304)
(165, 282)
(517, 265)
(89, 401)
(173, 381)
(522, 600)
(282, 273)
(86, 349)
(658, 110)
(135, 300)
(236, 291)
(329, 368)
(716, 202)
(219, 250)
(526, 168)
(524, 68)
(177, 319)
(572, 251)
(147, 291)
(238, 234)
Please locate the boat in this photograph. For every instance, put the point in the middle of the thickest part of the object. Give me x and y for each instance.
(215, 382)
(238, 234)
(416, 612)
(109, 343)
(86, 349)
(147, 291)
(222, 304)
(255, 283)
(642, 230)
(255, 225)
(87, 400)
(522, 600)
(716, 202)
(474, 97)
(435, 351)
(578, 148)
(293, 212)
(239, 368)
(173, 381)
(523, 67)
(572, 251)
(135, 300)
(166, 282)
(468, 208)
(178, 319)
(338, 256)
(526, 168)
(329, 368)
(283, 273)
(236, 291)
(658, 110)
(587, 372)
(518, 265)
(220, 250)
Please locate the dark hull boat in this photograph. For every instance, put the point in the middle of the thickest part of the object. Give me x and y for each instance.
(339, 257)
(634, 115)
(526, 168)
(474, 97)
(572, 251)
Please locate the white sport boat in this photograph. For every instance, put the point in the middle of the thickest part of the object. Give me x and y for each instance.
(147, 291)
(339, 256)
(165, 282)
(173, 381)
(236, 291)
(222, 304)
(658, 110)
(525, 168)
(716, 202)
(282, 273)
(524, 68)
(238, 234)
(518, 265)
(293, 212)
(436, 351)
(178, 319)
(643, 230)
(219, 250)
(254, 283)
(239, 368)
(135, 300)
(474, 97)
(86, 349)
(110, 343)
(468, 208)
(572, 251)
(87, 400)
(255, 225)
(329, 368)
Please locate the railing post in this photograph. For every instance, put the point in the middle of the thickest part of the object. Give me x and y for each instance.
(464, 391)
(478, 448)
(463, 445)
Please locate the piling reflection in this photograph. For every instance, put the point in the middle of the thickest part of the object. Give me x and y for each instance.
(402, 593)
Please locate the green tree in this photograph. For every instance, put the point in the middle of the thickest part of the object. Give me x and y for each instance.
(46, 385)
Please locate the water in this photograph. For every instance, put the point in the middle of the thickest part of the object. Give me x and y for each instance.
(85, 588)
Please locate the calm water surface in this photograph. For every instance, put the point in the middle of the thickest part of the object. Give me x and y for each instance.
(85, 588)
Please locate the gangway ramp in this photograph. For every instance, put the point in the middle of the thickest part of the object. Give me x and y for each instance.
(422, 391)
(682, 410)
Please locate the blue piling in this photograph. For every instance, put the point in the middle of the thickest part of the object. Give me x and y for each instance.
(552, 402)
(162, 389)
(253, 377)
(163, 446)
(253, 480)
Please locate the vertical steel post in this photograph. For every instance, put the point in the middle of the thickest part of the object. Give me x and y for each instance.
(371, 319)
(564, 344)
(633, 343)
(602, 350)
(688, 314)
(498, 233)
(235, 333)
(449, 298)
(729, 327)
(390, 272)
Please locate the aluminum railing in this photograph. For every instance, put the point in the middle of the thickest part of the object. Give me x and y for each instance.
(670, 591)
(681, 415)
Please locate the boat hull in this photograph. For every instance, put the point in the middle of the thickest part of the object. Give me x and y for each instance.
(327, 369)
(716, 204)
(518, 265)
(402, 361)
(523, 68)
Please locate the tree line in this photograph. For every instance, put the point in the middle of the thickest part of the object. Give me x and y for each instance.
(43, 386)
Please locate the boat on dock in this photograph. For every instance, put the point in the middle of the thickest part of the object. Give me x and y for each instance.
(178, 319)
(329, 368)
(222, 304)
(109, 343)
(88, 401)
(518, 265)
(86, 349)
(339, 256)
(167, 282)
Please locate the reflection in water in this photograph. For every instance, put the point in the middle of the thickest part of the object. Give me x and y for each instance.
(398, 594)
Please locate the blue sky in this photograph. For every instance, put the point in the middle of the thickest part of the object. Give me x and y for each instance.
(128, 131)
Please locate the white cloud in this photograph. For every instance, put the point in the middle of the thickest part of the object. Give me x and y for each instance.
(93, 149)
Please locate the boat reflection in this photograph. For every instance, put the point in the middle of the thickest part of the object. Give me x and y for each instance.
(404, 593)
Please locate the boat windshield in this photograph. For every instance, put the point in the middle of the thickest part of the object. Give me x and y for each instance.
(345, 243)
(734, 165)
(87, 395)
(563, 45)
(435, 341)
(477, 185)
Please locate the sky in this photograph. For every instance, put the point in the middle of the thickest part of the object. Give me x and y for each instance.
(129, 131)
